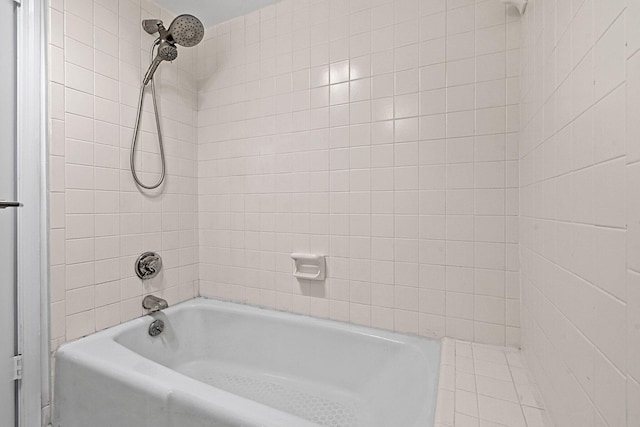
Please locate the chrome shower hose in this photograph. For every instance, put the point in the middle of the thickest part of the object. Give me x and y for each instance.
(136, 130)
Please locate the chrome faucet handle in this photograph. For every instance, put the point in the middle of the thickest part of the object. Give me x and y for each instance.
(148, 265)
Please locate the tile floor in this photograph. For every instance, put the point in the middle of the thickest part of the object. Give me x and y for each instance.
(486, 386)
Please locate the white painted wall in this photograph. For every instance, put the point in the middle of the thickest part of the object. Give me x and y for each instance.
(381, 133)
(580, 230)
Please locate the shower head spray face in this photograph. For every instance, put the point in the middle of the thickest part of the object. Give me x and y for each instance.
(167, 52)
(186, 30)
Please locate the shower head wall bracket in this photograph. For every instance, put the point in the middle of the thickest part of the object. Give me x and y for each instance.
(521, 5)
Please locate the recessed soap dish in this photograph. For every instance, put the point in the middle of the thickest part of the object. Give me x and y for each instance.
(309, 266)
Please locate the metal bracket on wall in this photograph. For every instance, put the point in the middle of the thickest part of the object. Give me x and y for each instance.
(17, 367)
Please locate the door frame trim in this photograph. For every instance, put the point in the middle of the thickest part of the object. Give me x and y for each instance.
(32, 245)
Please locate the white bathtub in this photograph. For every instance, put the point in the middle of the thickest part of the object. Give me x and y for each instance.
(219, 364)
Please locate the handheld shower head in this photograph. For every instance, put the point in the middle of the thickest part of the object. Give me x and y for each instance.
(166, 52)
(186, 30)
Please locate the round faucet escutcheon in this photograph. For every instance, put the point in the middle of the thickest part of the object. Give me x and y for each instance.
(156, 327)
(148, 265)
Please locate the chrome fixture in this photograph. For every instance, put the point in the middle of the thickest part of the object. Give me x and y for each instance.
(148, 265)
(4, 205)
(185, 30)
(521, 5)
(153, 303)
(156, 327)
(166, 52)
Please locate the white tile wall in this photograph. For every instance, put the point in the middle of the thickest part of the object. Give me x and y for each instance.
(381, 133)
(100, 222)
(384, 134)
(579, 227)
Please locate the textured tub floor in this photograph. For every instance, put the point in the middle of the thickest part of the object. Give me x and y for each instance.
(486, 386)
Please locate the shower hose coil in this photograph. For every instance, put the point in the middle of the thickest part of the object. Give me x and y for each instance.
(136, 132)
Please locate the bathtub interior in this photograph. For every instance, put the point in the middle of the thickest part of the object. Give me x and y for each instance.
(325, 372)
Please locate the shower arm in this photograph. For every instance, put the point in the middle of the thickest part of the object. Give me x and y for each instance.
(153, 26)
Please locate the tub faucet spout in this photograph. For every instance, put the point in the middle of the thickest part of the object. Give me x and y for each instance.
(153, 303)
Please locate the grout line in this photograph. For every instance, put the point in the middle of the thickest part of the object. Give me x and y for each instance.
(588, 282)
(506, 120)
(513, 382)
(446, 182)
(475, 382)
